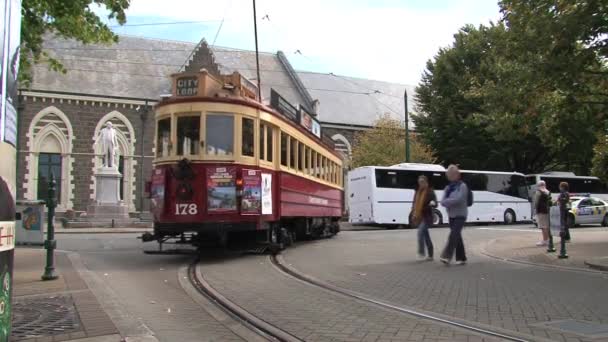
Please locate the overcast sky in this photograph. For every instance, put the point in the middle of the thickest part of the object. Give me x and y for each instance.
(388, 40)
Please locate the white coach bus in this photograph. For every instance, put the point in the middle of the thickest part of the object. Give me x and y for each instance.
(578, 185)
(384, 195)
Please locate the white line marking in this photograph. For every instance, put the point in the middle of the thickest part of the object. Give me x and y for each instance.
(509, 229)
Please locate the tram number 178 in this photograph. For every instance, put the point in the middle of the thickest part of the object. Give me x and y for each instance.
(186, 209)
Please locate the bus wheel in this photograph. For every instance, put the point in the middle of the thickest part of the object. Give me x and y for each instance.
(437, 218)
(509, 217)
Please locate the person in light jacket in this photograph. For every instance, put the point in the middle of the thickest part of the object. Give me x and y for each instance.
(455, 200)
(542, 203)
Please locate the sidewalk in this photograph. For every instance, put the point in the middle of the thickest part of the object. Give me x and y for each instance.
(59, 310)
(588, 249)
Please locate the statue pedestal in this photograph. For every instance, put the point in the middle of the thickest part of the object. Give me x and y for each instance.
(108, 206)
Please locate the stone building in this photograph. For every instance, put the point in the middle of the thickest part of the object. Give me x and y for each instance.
(61, 114)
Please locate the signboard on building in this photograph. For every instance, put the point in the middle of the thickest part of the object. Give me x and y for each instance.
(10, 40)
(221, 190)
(283, 106)
(186, 86)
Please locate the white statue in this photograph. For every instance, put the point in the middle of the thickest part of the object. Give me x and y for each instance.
(109, 146)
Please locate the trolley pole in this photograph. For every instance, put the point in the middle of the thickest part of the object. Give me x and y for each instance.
(407, 128)
(50, 244)
(257, 58)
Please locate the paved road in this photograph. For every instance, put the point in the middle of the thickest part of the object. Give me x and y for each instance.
(141, 292)
(511, 296)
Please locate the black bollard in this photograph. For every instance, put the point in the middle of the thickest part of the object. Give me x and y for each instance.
(50, 244)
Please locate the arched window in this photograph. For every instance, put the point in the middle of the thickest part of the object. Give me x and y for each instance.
(49, 142)
(342, 145)
(127, 162)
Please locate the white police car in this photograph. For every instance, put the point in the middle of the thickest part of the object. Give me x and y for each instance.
(588, 210)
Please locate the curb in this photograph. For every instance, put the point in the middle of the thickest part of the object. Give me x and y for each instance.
(484, 251)
(600, 264)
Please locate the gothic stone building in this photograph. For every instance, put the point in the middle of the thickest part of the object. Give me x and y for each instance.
(61, 114)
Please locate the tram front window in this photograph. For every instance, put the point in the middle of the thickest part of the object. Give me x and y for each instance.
(188, 135)
(163, 134)
(219, 130)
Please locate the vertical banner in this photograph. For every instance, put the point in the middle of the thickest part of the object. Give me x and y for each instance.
(266, 194)
(221, 190)
(157, 192)
(10, 67)
(251, 203)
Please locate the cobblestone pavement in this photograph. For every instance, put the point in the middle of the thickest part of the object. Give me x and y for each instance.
(512, 296)
(587, 243)
(313, 314)
(141, 292)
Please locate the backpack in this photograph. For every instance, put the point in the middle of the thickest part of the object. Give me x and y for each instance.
(469, 196)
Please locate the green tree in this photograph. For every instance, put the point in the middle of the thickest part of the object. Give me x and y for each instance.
(74, 19)
(384, 145)
(485, 103)
(600, 158)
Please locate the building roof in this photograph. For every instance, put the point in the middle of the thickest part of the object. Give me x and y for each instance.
(138, 67)
(356, 101)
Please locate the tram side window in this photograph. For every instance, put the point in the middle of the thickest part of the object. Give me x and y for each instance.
(301, 159)
(313, 163)
(164, 137)
(307, 160)
(262, 136)
(318, 166)
(269, 144)
(293, 157)
(188, 135)
(220, 135)
(248, 137)
(284, 148)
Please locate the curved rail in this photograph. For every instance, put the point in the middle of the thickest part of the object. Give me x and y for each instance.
(260, 327)
(314, 282)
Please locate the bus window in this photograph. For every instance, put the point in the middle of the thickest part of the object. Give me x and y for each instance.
(293, 157)
(247, 133)
(397, 179)
(163, 134)
(188, 135)
(219, 130)
(531, 180)
(284, 148)
(269, 144)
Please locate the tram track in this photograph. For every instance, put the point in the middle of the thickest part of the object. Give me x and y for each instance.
(278, 263)
(258, 326)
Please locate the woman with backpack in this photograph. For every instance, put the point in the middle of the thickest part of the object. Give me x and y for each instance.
(422, 216)
(542, 202)
(456, 199)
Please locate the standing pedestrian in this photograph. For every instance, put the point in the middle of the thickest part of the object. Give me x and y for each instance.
(422, 216)
(542, 202)
(564, 207)
(456, 201)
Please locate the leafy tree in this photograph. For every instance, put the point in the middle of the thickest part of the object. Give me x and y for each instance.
(73, 19)
(485, 103)
(600, 158)
(384, 145)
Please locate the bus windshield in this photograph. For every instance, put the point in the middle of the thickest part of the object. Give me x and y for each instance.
(500, 183)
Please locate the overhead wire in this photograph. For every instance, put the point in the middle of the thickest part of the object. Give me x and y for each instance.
(166, 23)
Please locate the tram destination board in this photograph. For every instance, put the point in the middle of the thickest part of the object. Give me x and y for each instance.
(186, 86)
(282, 106)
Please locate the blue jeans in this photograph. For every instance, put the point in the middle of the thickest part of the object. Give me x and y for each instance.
(424, 239)
(455, 243)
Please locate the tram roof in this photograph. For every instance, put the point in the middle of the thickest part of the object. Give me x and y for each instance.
(139, 68)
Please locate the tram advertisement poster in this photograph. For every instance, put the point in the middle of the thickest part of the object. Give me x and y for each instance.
(251, 203)
(266, 194)
(221, 190)
(157, 188)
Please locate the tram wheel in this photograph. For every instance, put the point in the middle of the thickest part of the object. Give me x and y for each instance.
(277, 241)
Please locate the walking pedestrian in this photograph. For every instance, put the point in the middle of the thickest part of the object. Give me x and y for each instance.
(564, 207)
(456, 201)
(542, 202)
(422, 216)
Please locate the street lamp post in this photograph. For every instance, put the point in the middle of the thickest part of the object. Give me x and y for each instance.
(50, 243)
(407, 128)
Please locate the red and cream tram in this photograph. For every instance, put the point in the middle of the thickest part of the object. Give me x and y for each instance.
(226, 163)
